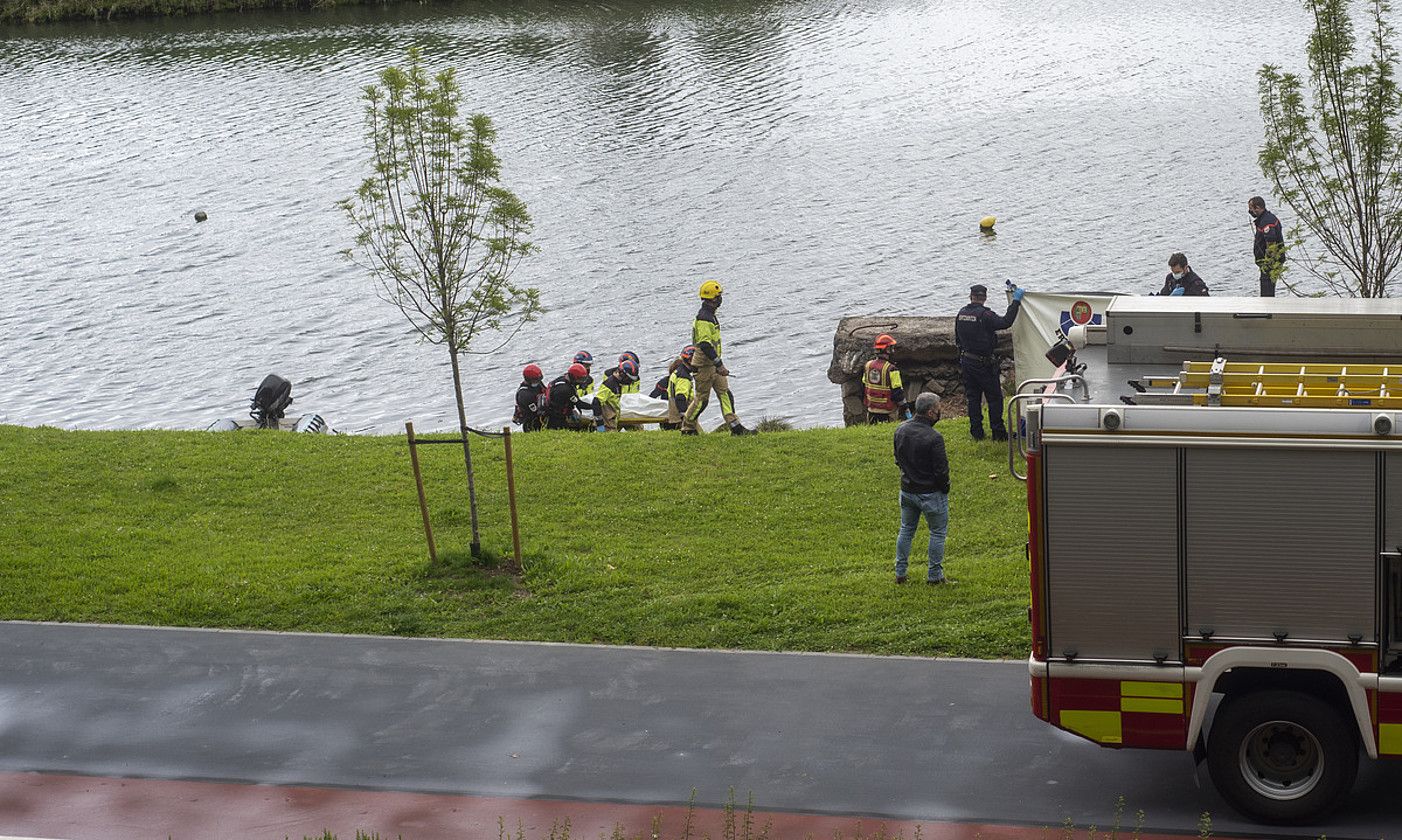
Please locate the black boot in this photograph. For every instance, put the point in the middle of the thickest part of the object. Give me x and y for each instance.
(687, 431)
(739, 429)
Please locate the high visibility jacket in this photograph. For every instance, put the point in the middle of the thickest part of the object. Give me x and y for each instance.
(609, 392)
(585, 388)
(680, 387)
(705, 333)
(883, 391)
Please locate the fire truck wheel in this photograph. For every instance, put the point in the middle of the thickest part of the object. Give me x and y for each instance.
(1282, 756)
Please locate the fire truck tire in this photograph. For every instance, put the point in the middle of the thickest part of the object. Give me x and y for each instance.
(1282, 757)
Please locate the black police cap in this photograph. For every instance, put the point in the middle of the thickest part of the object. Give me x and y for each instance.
(978, 290)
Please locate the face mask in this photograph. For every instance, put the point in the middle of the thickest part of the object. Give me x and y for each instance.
(1179, 275)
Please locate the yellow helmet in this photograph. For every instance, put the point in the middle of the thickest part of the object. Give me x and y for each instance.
(710, 290)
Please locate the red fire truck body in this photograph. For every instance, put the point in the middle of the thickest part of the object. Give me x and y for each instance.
(1215, 568)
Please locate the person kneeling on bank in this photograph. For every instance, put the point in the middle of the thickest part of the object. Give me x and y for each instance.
(530, 400)
(609, 394)
(565, 407)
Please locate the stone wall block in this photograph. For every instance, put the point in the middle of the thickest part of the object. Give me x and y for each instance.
(925, 354)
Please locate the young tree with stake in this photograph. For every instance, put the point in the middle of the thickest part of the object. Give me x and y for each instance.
(435, 227)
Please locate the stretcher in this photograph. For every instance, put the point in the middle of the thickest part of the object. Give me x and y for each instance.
(640, 410)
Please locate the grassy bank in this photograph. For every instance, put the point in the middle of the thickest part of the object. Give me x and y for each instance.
(48, 11)
(782, 541)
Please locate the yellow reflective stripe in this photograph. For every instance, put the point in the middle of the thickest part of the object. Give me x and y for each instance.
(1129, 688)
(1103, 727)
(1390, 739)
(1151, 704)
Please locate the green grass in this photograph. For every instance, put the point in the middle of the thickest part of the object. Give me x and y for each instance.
(48, 11)
(782, 541)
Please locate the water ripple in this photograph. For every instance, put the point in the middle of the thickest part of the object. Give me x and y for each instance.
(821, 157)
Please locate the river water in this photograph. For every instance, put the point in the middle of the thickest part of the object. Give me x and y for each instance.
(820, 158)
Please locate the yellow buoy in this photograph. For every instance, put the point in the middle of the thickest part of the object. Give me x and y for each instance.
(987, 222)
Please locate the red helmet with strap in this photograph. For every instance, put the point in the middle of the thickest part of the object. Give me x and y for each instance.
(578, 371)
(884, 342)
(532, 372)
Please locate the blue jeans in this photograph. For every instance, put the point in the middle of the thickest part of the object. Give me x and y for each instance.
(935, 507)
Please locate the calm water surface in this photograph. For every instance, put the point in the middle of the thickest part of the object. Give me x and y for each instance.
(820, 158)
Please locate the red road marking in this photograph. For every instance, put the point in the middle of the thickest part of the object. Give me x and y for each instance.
(101, 808)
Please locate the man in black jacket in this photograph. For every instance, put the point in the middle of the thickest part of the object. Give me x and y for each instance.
(924, 487)
(1182, 280)
(1269, 246)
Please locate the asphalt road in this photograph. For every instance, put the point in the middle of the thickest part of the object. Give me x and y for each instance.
(902, 738)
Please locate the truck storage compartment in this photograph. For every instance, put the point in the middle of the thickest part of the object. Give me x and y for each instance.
(1157, 331)
(1282, 541)
(1112, 552)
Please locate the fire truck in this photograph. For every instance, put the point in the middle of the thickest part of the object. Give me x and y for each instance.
(1214, 503)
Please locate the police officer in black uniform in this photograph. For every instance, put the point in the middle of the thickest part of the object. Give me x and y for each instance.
(1269, 245)
(976, 334)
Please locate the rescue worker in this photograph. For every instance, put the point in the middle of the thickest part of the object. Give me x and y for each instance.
(583, 357)
(976, 335)
(611, 390)
(659, 388)
(1182, 280)
(564, 408)
(681, 387)
(634, 387)
(1269, 245)
(530, 400)
(709, 370)
(882, 391)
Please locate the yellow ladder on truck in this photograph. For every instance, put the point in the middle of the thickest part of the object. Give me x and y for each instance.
(1279, 385)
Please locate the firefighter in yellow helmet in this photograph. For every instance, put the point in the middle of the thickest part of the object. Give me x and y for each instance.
(710, 372)
(882, 391)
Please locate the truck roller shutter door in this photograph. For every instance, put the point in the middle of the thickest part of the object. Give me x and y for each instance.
(1112, 551)
(1282, 540)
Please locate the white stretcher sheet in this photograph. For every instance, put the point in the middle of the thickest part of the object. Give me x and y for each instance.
(640, 408)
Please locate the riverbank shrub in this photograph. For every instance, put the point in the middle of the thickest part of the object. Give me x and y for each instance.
(782, 541)
(50, 11)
